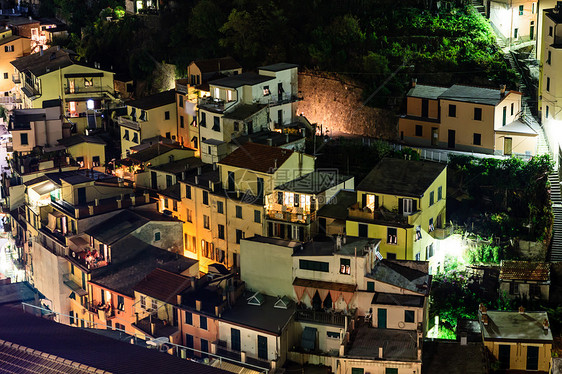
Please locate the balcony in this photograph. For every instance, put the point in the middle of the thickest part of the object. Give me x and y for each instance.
(134, 125)
(294, 217)
(321, 316)
(382, 215)
(89, 259)
(73, 286)
(87, 90)
(284, 98)
(16, 78)
(442, 233)
(102, 311)
(155, 327)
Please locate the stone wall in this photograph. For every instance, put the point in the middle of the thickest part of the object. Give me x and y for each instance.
(338, 105)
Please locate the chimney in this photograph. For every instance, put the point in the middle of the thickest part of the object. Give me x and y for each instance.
(196, 180)
(136, 318)
(275, 164)
(119, 203)
(380, 352)
(338, 243)
(152, 328)
(238, 194)
(270, 142)
(521, 310)
(198, 170)
(198, 305)
(146, 197)
(414, 82)
(97, 202)
(502, 90)
(287, 138)
(192, 283)
(485, 319)
(214, 166)
(91, 209)
(217, 311)
(133, 198)
(545, 324)
(40, 50)
(178, 299)
(211, 185)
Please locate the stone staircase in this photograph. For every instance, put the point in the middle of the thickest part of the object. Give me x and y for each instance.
(479, 6)
(555, 197)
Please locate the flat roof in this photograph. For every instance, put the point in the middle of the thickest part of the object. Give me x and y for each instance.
(328, 247)
(244, 79)
(515, 326)
(116, 227)
(243, 111)
(154, 101)
(338, 205)
(395, 176)
(385, 298)
(15, 293)
(410, 275)
(79, 139)
(396, 344)
(280, 66)
(441, 356)
(179, 166)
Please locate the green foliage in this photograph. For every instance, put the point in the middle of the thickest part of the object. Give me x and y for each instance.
(484, 253)
(3, 113)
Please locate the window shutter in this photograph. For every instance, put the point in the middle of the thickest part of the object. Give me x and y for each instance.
(414, 205)
(376, 201)
(400, 206)
(363, 200)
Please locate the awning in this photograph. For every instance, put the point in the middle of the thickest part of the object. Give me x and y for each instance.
(44, 188)
(75, 287)
(309, 338)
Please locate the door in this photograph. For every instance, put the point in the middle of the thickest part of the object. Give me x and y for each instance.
(204, 347)
(507, 143)
(504, 116)
(82, 196)
(504, 356)
(322, 225)
(260, 188)
(381, 318)
(434, 136)
(532, 32)
(231, 183)
(153, 180)
(363, 230)
(451, 139)
(425, 108)
(280, 117)
(235, 339)
(532, 358)
(262, 347)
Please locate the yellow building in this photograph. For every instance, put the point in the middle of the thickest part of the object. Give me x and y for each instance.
(54, 74)
(149, 117)
(402, 203)
(15, 46)
(87, 151)
(517, 340)
(33, 128)
(467, 118)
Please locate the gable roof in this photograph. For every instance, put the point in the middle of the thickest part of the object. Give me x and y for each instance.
(154, 101)
(51, 59)
(257, 157)
(525, 270)
(426, 92)
(163, 285)
(400, 177)
(80, 138)
(212, 65)
(476, 95)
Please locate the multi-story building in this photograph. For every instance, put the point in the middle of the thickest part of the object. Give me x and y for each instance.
(55, 74)
(148, 117)
(525, 280)
(402, 203)
(550, 86)
(87, 151)
(15, 46)
(467, 118)
(514, 21)
(31, 128)
(246, 103)
(518, 340)
(291, 207)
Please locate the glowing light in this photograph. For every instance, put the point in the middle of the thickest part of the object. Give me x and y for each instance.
(90, 104)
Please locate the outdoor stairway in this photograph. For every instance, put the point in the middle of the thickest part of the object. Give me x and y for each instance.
(555, 197)
(479, 6)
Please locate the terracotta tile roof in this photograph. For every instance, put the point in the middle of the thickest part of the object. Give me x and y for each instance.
(258, 157)
(163, 285)
(525, 270)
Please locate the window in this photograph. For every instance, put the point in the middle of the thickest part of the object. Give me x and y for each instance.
(409, 316)
(203, 322)
(206, 224)
(207, 249)
(314, 265)
(478, 114)
(156, 236)
(236, 126)
(407, 206)
(80, 161)
(550, 30)
(296, 200)
(431, 198)
(515, 33)
(154, 304)
(187, 191)
(143, 301)
(521, 10)
(188, 318)
(431, 228)
(182, 124)
(280, 198)
(512, 108)
(175, 205)
(72, 296)
(391, 256)
(439, 193)
(418, 256)
(71, 268)
(392, 235)
(533, 8)
(203, 121)
(546, 114)
(534, 290)
(220, 207)
(345, 266)
(514, 288)
(71, 317)
(206, 197)
(96, 160)
(477, 139)
(547, 84)
(120, 303)
(166, 115)
(126, 135)
(221, 232)
(371, 286)
(333, 334)
(266, 91)
(419, 130)
(8, 48)
(452, 110)
(357, 371)
(216, 123)
(504, 117)
(548, 60)
(257, 216)
(6, 75)
(166, 203)
(188, 215)
(390, 371)
(363, 230)
(23, 139)
(168, 181)
(238, 211)
(239, 236)
(429, 251)
(189, 343)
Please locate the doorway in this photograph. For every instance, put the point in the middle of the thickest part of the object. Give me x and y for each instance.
(507, 144)
(434, 136)
(451, 139)
(381, 318)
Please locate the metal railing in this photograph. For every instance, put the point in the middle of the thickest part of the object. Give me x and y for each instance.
(320, 316)
(172, 348)
(91, 89)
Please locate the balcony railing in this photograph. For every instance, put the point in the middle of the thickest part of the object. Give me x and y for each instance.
(382, 214)
(129, 123)
(442, 233)
(291, 217)
(281, 99)
(103, 311)
(321, 316)
(91, 260)
(85, 90)
(16, 78)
